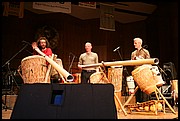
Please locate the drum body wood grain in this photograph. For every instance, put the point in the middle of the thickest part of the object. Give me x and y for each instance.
(115, 77)
(34, 69)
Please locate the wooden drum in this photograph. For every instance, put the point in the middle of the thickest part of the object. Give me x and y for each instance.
(115, 77)
(144, 78)
(77, 77)
(34, 69)
(98, 77)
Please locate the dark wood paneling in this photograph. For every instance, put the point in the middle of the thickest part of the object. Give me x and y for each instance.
(159, 32)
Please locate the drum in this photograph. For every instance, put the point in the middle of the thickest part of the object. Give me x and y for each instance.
(115, 77)
(34, 69)
(144, 78)
(130, 84)
(77, 77)
(54, 72)
(157, 76)
(98, 77)
(174, 88)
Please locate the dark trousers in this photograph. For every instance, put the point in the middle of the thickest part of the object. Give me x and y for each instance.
(85, 76)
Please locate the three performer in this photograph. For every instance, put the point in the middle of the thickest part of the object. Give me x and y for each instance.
(88, 62)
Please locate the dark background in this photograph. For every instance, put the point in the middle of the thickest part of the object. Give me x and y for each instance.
(159, 31)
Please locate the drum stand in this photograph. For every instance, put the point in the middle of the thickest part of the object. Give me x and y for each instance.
(6, 93)
(157, 90)
(115, 95)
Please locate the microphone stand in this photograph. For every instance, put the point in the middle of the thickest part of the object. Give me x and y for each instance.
(15, 55)
(11, 75)
(122, 60)
(71, 63)
(124, 69)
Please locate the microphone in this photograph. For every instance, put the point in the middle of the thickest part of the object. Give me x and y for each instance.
(116, 49)
(26, 42)
(145, 46)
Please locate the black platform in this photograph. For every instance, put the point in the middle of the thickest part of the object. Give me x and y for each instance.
(65, 101)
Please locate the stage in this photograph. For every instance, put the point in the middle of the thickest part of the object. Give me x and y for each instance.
(6, 113)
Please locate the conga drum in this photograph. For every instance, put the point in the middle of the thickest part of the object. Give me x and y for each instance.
(115, 77)
(144, 78)
(34, 69)
(77, 77)
(98, 77)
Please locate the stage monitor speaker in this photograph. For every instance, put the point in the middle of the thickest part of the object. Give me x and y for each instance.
(170, 71)
(65, 101)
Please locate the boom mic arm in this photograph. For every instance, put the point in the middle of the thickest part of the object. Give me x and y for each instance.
(116, 49)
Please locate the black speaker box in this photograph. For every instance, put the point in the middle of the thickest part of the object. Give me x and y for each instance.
(65, 101)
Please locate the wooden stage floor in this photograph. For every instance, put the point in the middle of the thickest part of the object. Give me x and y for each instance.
(6, 114)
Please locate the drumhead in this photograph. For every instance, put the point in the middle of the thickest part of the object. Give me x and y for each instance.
(33, 56)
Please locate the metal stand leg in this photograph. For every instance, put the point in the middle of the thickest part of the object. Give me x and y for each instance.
(5, 107)
(12, 80)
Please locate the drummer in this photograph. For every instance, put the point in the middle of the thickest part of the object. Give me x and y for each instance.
(87, 57)
(140, 53)
(43, 44)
